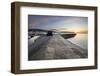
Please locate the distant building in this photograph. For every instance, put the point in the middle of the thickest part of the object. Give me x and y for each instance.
(49, 33)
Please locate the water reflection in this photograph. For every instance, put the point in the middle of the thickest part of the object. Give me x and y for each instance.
(80, 40)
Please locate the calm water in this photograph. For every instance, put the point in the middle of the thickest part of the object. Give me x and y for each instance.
(80, 40)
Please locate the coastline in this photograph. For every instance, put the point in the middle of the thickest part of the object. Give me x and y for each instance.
(54, 47)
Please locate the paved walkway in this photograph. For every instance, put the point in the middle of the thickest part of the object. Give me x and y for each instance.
(54, 47)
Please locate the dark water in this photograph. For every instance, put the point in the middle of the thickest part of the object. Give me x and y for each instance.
(80, 40)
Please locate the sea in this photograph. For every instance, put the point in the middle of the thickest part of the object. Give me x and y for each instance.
(80, 40)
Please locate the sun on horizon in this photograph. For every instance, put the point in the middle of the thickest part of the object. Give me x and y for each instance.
(76, 30)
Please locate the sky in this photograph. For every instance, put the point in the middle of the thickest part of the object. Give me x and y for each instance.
(61, 23)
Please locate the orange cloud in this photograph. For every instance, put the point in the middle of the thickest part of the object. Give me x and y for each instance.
(76, 30)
